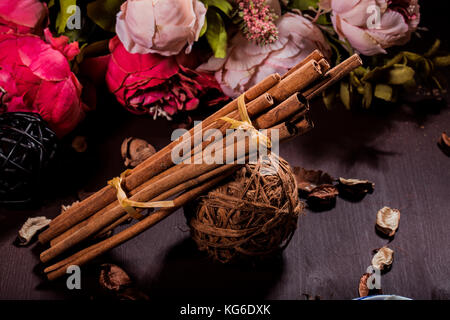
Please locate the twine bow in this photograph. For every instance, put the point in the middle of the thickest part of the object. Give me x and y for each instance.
(130, 205)
(246, 123)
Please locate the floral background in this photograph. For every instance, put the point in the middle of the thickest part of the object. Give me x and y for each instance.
(164, 58)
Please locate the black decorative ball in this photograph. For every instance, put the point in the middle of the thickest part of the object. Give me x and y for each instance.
(27, 146)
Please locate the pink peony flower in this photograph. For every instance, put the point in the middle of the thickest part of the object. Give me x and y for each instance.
(23, 16)
(153, 84)
(34, 77)
(69, 50)
(247, 64)
(162, 27)
(356, 21)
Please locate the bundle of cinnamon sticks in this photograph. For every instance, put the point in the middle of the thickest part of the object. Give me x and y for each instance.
(276, 103)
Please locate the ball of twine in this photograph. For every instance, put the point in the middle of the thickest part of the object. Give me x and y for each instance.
(27, 146)
(253, 215)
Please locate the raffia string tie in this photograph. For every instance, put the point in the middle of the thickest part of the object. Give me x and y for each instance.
(130, 205)
(246, 123)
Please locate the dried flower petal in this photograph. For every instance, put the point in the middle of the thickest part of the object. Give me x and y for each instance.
(30, 228)
(79, 144)
(322, 197)
(113, 278)
(307, 180)
(354, 188)
(134, 151)
(383, 259)
(363, 288)
(444, 143)
(388, 220)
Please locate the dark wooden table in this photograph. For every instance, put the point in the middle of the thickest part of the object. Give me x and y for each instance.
(330, 250)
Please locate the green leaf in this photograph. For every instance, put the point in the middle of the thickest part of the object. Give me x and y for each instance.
(384, 92)
(413, 57)
(103, 13)
(64, 14)
(368, 95)
(442, 61)
(204, 27)
(216, 34)
(401, 74)
(434, 48)
(329, 96)
(222, 5)
(304, 4)
(345, 94)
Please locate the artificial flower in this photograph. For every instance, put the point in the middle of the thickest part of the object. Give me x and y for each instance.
(154, 84)
(35, 77)
(247, 63)
(162, 27)
(23, 16)
(259, 20)
(371, 26)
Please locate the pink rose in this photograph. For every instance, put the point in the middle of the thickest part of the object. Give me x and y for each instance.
(160, 26)
(356, 21)
(153, 84)
(35, 77)
(23, 16)
(247, 64)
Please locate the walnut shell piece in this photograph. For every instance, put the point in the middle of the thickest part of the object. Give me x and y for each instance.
(113, 277)
(134, 151)
(388, 220)
(383, 258)
(116, 284)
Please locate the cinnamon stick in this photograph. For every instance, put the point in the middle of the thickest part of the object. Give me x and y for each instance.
(286, 130)
(135, 229)
(331, 75)
(106, 195)
(334, 75)
(182, 173)
(90, 253)
(315, 55)
(288, 107)
(166, 195)
(298, 80)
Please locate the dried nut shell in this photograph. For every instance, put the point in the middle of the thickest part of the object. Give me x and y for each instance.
(30, 228)
(383, 259)
(79, 144)
(134, 151)
(323, 196)
(363, 288)
(113, 278)
(307, 180)
(354, 188)
(444, 143)
(388, 220)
